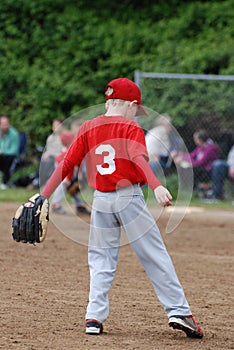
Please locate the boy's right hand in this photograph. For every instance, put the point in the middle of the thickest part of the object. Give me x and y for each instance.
(163, 196)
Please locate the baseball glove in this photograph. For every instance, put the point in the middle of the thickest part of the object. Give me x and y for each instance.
(73, 188)
(31, 220)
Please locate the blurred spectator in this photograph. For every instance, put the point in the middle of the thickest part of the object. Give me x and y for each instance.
(9, 148)
(158, 144)
(53, 148)
(75, 125)
(67, 138)
(222, 170)
(201, 158)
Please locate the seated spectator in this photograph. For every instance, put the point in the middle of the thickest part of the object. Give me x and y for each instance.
(53, 148)
(21, 159)
(9, 148)
(158, 144)
(201, 158)
(222, 170)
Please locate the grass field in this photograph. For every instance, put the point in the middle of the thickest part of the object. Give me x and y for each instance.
(22, 194)
(19, 194)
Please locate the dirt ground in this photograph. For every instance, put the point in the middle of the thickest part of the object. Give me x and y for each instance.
(44, 288)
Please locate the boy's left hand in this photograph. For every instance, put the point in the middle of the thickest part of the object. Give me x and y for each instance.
(163, 196)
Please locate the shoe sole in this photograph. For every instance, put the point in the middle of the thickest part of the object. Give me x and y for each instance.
(191, 333)
(93, 330)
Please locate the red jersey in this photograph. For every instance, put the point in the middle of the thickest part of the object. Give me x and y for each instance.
(59, 158)
(109, 145)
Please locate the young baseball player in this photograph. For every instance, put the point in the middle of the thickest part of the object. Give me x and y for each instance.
(113, 146)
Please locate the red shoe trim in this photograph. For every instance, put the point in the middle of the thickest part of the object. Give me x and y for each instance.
(197, 325)
(93, 320)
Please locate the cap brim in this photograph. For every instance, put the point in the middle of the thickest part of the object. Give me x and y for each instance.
(141, 111)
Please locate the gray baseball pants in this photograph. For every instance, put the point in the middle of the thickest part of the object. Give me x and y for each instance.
(127, 208)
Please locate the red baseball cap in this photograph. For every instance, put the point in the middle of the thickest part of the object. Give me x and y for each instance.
(125, 89)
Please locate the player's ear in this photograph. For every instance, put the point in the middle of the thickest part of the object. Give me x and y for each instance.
(132, 103)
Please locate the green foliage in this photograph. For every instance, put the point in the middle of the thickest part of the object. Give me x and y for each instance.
(56, 56)
(208, 104)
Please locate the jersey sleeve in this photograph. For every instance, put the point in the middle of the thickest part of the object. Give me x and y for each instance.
(136, 143)
(77, 151)
(152, 180)
(53, 182)
(65, 168)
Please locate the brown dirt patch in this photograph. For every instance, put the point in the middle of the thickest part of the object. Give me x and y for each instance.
(44, 289)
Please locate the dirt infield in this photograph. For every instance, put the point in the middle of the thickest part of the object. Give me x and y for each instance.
(44, 289)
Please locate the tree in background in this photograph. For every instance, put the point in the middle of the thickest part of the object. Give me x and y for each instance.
(56, 56)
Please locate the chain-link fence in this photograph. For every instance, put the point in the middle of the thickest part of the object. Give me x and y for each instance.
(196, 104)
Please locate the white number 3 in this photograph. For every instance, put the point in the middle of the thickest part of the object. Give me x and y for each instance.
(107, 159)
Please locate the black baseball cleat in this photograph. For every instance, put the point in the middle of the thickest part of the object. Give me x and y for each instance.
(93, 327)
(186, 324)
(82, 210)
